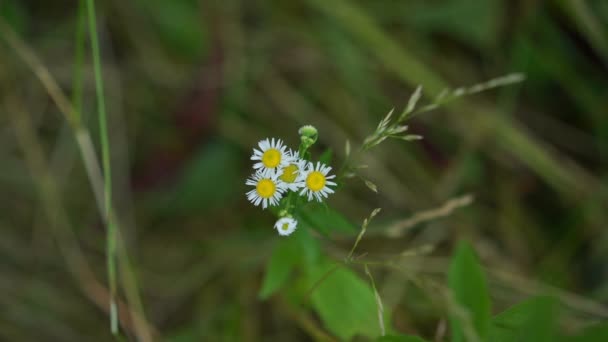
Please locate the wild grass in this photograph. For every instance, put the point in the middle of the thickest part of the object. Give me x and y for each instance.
(201, 82)
(107, 168)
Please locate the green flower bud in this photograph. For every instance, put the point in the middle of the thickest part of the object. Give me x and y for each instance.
(308, 135)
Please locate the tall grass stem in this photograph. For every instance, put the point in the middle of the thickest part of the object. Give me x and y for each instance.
(107, 170)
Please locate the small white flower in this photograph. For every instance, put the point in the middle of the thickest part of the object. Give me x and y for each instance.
(286, 225)
(271, 155)
(292, 174)
(268, 188)
(315, 181)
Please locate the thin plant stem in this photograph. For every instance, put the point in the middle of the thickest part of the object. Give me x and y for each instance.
(107, 171)
(321, 280)
(89, 156)
(58, 221)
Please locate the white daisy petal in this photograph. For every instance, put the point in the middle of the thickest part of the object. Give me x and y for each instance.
(286, 225)
(291, 174)
(268, 188)
(314, 182)
(271, 155)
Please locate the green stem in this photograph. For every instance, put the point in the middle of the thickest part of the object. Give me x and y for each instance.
(105, 151)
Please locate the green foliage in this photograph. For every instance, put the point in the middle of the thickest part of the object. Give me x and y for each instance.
(399, 338)
(14, 14)
(186, 335)
(310, 251)
(530, 320)
(178, 25)
(450, 17)
(326, 157)
(207, 182)
(468, 284)
(299, 250)
(323, 219)
(285, 256)
(541, 324)
(339, 64)
(507, 325)
(593, 333)
(344, 302)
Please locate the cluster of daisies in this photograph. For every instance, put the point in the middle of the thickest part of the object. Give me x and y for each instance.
(281, 172)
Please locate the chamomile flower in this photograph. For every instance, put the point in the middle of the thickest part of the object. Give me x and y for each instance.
(268, 188)
(272, 155)
(286, 225)
(315, 181)
(292, 174)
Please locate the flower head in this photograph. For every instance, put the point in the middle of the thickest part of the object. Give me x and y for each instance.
(271, 155)
(315, 181)
(286, 225)
(268, 189)
(292, 174)
(308, 135)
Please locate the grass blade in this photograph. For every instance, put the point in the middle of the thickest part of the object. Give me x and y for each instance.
(107, 170)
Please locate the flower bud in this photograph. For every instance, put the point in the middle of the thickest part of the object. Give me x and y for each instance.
(308, 135)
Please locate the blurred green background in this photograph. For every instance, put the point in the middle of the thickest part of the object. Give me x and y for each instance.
(192, 85)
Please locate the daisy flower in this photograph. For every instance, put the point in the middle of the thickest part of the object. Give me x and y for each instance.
(286, 225)
(268, 189)
(315, 181)
(292, 174)
(271, 155)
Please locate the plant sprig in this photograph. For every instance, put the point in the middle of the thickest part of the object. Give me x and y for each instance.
(394, 127)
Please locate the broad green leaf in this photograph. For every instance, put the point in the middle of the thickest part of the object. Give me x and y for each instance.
(507, 324)
(541, 326)
(326, 157)
(400, 338)
(308, 246)
(344, 302)
(595, 333)
(323, 219)
(468, 283)
(285, 256)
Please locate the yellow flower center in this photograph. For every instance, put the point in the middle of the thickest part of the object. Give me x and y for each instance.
(266, 188)
(271, 158)
(285, 226)
(315, 181)
(289, 173)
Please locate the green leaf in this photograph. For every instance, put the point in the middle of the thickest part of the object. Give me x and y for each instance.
(595, 333)
(308, 246)
(344, 302)
(532, 320)
(323, 219)
(284, 257)
(468, 283)
(400, 338)
(326, 157)
(299, 249)
(540, 327)
(507, 324)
